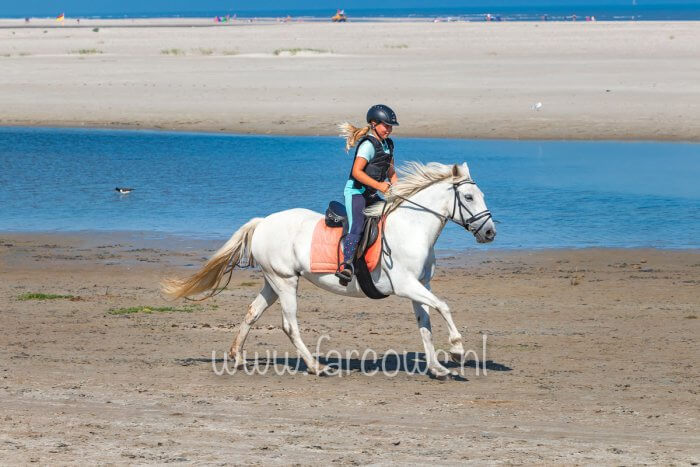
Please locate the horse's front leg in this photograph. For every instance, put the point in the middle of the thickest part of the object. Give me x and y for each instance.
(422, 313)
(421, 293)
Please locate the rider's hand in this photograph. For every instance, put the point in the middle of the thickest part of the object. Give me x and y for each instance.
(384, 187)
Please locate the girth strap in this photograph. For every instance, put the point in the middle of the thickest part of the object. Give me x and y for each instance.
(364, 278)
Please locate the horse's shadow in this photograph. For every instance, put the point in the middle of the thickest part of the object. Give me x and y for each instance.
(408, 363)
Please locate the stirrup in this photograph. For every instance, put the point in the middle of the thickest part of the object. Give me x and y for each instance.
(345, 276)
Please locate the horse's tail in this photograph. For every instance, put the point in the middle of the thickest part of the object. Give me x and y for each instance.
(212, 273)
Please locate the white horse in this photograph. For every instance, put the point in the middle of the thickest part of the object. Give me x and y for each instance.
(417, 208)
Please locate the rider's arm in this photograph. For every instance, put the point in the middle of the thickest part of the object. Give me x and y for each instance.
(359, 174)
(392, 173)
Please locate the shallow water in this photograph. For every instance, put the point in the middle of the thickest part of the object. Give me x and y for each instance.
(551, 194)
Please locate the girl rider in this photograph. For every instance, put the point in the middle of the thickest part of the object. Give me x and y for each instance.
(372, 165)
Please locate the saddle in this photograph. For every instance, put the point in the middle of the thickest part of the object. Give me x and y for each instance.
(337, 216)
(327, 251)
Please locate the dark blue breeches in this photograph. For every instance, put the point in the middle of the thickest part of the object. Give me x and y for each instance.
(356, 217)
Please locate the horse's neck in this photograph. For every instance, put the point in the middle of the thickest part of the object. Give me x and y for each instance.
(421, 224)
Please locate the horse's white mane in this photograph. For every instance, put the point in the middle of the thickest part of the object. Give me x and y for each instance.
(413, 177)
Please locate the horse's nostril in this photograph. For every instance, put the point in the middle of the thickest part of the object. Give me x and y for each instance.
(490, 233)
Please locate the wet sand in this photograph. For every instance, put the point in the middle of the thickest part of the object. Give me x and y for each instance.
(618, 80)
(591, 358)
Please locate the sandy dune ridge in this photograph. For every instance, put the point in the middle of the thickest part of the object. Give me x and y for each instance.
(626, 80)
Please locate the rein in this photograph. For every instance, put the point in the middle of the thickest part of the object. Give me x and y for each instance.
(467, 224)
(485, 215)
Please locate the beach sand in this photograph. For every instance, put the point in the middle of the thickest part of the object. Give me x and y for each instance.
(592, 358)
(591, 354)
(621, 80)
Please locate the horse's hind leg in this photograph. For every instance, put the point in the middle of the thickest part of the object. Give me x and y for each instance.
(262, 302)
(286, 288)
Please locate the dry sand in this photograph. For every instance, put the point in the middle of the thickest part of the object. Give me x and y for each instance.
(592, 358)
(595, 80)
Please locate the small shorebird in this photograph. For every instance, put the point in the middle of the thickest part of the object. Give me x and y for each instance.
(124, 191)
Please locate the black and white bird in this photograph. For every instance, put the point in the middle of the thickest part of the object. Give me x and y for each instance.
(124, 191)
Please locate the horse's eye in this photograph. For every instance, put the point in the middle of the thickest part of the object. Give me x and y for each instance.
(469, 197)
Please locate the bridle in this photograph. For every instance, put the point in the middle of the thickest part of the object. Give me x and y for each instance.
(467, 224)
(484, 215)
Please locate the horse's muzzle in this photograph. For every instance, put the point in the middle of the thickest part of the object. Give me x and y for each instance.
(486, 235)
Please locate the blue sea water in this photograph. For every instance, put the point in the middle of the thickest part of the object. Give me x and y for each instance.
(544, 194)
(661, 11)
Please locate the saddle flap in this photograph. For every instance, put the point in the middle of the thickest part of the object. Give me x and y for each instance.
(326, 250)
(370, 234)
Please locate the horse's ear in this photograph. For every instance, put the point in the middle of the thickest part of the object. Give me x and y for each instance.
(455, 170)
(464, 169)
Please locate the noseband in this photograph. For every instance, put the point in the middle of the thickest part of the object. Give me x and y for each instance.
(484, 215)
(467, 224)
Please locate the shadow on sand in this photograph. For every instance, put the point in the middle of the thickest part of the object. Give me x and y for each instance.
(408, 363)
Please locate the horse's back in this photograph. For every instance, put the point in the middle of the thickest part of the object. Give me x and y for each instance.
(282, 241)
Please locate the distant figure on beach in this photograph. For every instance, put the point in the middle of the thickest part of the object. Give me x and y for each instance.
(339, 16)
(372, 165)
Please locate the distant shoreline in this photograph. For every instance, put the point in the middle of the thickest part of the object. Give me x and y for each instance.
(206, 21)
(473, 12)
(178, 241)
(405, 134)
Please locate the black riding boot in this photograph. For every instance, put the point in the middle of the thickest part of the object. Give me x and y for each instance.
(347, 270)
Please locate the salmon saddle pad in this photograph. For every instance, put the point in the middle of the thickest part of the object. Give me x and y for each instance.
(326, 250)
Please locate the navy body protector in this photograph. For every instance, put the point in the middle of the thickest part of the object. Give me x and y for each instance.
(378, 167)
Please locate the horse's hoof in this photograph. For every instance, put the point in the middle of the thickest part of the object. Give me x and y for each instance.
(440, 374)
(318, 371)
(235, 362)
(457, 357)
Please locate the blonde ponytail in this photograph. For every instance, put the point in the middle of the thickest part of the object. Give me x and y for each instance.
(352, 134)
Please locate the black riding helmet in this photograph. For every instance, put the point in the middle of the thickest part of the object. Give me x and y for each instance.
(381, 113)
